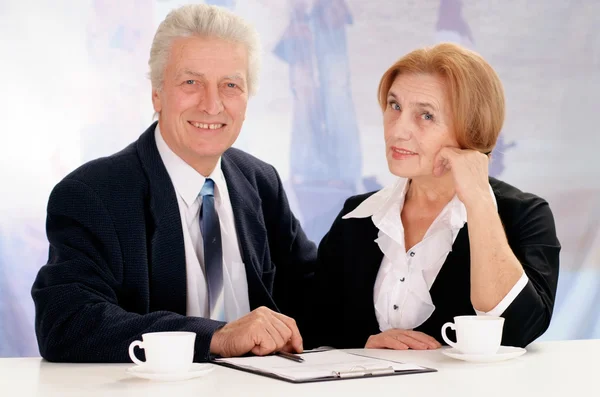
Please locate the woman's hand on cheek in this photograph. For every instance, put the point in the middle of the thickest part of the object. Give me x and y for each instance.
(469, 170)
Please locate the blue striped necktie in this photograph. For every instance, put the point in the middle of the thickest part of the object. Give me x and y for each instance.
(213, 251)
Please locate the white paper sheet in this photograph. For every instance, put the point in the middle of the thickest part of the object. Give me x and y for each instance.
(318, 365)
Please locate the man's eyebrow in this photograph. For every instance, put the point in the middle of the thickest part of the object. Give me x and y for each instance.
(188, 72)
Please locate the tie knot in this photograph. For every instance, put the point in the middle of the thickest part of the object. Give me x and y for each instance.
(208, 189)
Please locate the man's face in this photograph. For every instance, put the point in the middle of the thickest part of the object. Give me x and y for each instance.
(202, 103)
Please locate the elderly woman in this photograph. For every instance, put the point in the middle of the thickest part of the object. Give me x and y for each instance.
(445, 239)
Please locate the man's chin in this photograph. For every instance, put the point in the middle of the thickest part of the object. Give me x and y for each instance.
(209, 152)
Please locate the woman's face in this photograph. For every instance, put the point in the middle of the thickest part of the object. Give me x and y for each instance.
(417, 123)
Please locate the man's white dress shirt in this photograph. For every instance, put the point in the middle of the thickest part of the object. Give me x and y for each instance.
(188, 183)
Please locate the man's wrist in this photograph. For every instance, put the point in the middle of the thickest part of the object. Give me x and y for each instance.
(216, 342)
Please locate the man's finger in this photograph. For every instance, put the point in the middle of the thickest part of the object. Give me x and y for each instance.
(263, 342)
(283, 332)
(288, 348)
(278, 338)
(296, 338)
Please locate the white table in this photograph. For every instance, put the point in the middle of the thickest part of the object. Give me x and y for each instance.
(566, 368)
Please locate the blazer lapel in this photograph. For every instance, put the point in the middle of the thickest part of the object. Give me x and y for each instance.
(367, 268)
(166, 262)
(450, 291)
(371, 256)
(456, 268)
(250, 230)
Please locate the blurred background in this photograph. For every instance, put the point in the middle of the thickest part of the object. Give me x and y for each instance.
(75, 88)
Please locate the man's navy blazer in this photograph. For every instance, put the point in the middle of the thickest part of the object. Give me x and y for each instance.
(116, 266)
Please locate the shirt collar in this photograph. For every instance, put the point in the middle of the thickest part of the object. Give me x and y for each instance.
(187, 181)
(379, 205)
(381, 201)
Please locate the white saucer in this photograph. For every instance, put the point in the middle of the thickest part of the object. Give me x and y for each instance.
(504, 353)
(195, 371)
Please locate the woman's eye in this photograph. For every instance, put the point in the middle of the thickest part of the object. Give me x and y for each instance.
(427, 116)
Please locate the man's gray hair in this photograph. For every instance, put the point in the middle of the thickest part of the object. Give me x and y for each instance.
(205, 21)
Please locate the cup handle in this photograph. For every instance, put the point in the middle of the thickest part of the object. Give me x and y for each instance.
(133, 344)
(445, 337)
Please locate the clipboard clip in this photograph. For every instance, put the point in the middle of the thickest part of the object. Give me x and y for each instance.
(362, 371)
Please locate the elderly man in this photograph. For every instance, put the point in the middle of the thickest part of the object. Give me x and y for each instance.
(178, 231)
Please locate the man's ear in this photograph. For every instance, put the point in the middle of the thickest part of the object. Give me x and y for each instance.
(156, 102)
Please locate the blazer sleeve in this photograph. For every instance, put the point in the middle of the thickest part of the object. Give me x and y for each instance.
(327, 298)
(77, 293)
(293, 254)
(534, 242)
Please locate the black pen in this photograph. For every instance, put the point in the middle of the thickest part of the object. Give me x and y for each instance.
(290, 356)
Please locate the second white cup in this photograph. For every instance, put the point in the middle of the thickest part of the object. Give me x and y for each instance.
(475, 334)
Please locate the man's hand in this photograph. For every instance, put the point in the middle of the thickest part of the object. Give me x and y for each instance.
(261, 332)
(400, 339)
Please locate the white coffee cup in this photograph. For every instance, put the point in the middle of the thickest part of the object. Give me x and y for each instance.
(166, 352)
(475, 334)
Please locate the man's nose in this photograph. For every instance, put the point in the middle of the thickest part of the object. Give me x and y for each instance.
(211, 102)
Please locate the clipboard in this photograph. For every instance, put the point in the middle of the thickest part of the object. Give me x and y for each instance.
(322, 366)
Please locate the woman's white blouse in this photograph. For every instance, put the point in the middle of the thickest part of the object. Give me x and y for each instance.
(401, 294)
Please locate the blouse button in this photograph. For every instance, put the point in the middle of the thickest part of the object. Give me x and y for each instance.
(412, 254)
(395, 307)
(402, 279)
